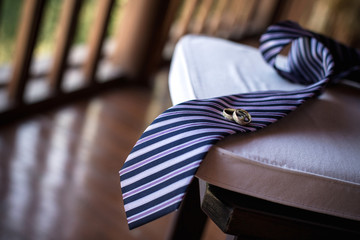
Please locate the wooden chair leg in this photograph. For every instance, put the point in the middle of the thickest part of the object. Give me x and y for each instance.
(253, 218)
(190, 220)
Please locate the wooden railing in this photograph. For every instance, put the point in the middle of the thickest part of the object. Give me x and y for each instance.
(227, 18)
(136, 49)
(239, 20)
(24, 91)
(230, 19)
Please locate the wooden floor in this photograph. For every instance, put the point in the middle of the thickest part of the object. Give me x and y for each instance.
(59, 170)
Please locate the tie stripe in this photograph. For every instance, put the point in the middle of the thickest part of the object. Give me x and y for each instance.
(155, 176)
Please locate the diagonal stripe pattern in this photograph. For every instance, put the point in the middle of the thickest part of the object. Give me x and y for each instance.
(155, 176)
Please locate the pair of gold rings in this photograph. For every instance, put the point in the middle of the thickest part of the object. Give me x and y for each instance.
(239, 115)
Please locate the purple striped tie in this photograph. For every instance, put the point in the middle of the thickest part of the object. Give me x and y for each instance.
(155, 176)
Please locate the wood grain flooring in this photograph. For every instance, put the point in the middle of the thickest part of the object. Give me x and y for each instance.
(59, 170)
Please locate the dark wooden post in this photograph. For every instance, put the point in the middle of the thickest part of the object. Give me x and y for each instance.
(65, 35)
(204, 11)
(96, 39)
(140, 33)
(26, 40)
(187, 13)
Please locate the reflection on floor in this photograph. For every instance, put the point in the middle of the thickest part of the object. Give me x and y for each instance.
(59, 170)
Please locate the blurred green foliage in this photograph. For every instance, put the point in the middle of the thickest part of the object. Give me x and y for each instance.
(10, 14)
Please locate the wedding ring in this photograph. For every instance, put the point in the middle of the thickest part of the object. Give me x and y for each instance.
(241, 116)
(228, 113)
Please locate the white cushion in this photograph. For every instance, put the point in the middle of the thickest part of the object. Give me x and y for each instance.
(310, 159)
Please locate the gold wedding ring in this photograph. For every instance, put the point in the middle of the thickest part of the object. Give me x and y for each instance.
(242, 117)
(239, 115)
(228, 113)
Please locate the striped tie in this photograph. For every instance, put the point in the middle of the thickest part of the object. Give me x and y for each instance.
(155, 176)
